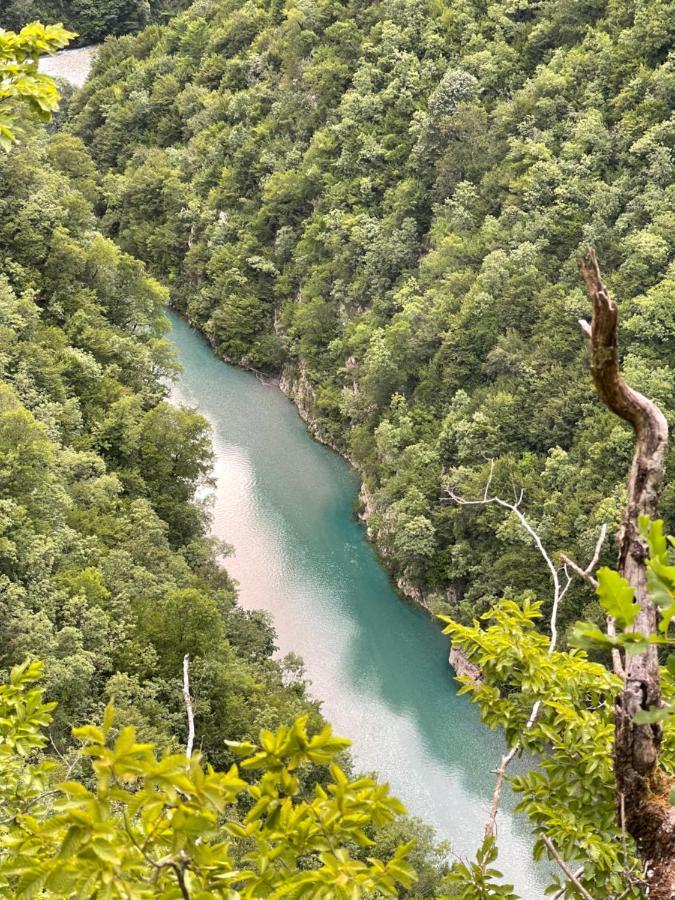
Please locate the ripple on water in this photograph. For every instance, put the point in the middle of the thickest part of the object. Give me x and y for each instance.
(379, 666)
(71, 65)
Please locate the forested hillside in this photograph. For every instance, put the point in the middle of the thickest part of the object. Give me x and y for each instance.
(92, 20)
(106, 572)
(383, 205)
(109, 577)
(385, 201)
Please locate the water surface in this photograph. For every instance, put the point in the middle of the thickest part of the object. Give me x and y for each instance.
(285, 504)
(71, 65)
(379, 666)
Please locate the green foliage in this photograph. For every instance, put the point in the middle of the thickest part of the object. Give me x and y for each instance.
(21, 84)
(568, 791)
(93, 20)
(24, 717)
(107, 572)
(135, 824)
(387, 200)
(479, 880)
(100, 538)
(616, 598)
(660, 572)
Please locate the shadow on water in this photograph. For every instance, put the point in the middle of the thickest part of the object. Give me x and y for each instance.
(380, 667)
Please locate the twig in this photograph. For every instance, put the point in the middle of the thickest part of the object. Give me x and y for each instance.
(558, 593)
(561, 892)
(188, 705)
(566, 869)
(585, 575)
(29, 804)
(581, 573)
(513, 507)
(179, 868)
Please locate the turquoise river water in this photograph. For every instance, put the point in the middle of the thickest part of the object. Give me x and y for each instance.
(285, 504)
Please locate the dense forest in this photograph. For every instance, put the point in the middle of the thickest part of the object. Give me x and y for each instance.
(107, 572)
(385, 201)
(384, 207)
(91, 20)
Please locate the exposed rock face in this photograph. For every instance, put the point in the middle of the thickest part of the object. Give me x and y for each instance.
(463, 665)
(412, 592)
(298, 388)
(366, 509)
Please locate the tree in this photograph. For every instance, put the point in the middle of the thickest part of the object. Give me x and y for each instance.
(555, 703)
(124, 822)
(370, 196)
(642, 787)
(93, 21)
(21, 84)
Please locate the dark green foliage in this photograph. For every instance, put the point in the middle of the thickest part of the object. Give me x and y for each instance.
(387, 199)
(93, 20)
(106, 572)
(168, 826)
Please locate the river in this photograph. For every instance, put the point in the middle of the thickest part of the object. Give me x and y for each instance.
(71, 65)
(379, 666)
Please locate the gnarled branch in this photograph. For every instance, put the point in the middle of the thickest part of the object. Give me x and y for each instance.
(648, 817)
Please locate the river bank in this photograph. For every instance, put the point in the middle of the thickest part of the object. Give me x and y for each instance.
(297, 387)
(294, 383)
(71, 65)
(74, 67)
(379, 666)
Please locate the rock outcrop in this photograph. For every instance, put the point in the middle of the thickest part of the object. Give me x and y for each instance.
(463, 666)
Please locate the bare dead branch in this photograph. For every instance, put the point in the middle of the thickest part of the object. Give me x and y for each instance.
(578, 571)
(558, 594)
(617, 661)
(514, 508)
(598, 549)
(571, 876)
(648, 817)
(563, 890)
(585, 575)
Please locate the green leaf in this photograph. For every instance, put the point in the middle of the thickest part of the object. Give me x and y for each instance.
(649, 716)
(617, 597)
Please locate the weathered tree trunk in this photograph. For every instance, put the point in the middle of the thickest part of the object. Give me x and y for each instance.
(642, 789)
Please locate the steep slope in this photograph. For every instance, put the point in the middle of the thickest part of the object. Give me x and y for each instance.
(386, 201)
(106, 571)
